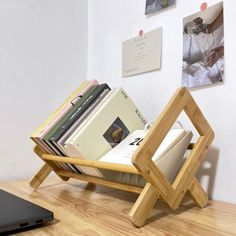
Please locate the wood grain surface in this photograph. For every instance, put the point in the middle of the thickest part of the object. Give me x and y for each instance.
(87, 209)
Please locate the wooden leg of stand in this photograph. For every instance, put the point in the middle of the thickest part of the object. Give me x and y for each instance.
(197, 193)
(50, 164)
(42, 174)
(144, 205)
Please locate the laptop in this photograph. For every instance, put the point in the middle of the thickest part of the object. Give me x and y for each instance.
(18, 214)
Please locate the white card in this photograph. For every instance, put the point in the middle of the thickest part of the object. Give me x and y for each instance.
(142, 53)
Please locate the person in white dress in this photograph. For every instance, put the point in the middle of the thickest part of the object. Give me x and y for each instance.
(203, 52)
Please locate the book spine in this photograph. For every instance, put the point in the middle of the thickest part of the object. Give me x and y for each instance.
(77, 124)
(38, 135)
(59, 153)
(84, 169)
(63, 109)
(98, 107)
(78, 112)
(48, 150)
(67, 115)
(58, 110)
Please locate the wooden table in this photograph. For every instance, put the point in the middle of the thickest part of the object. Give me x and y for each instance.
(86, 209)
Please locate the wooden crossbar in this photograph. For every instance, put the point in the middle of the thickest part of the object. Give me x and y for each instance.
(157, 184)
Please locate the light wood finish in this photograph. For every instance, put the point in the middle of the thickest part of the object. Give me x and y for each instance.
(90, 163)
(173, 194)
(42, 174)
(158, 185)
(104, 182)
(198, 194)
(144, 204)
(89, 210)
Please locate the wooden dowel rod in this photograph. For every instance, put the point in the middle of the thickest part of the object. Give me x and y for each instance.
(104, 182)
(91, 163)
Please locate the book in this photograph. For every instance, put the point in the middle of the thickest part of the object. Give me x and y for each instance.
(68, 120)
(60, 143)
(78, 122)
(107, 125)
(64, 107)
(64, 118)
(169, 156)
(75, 153)
(49, 123)
(77, 112)
(123, 152)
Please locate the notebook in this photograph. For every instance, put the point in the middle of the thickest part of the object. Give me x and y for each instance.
(18, 214)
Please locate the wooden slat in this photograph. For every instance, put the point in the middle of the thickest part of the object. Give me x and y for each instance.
(190, 167)
(197, 193)
(144, 204)
(104, 182)
(196, 116)
(41, 175)
(52, 164)
(160, 128)
(91, 163)
(188, 170)
(172, 195)
(142, 157)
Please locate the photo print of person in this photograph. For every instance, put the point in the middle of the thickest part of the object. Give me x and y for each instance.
(157, 5)
(203, 47)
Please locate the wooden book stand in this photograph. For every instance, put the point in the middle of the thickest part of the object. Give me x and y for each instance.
(157, 186)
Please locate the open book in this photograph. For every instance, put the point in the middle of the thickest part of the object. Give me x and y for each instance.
(169, 156)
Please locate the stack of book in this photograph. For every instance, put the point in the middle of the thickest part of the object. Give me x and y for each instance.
(91, 121)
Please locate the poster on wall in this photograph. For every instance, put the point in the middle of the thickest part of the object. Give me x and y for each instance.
(157, 5)
(142, 53)
(203, 47)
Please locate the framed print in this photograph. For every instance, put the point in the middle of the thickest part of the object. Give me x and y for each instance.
(157, 5)
(203, 47)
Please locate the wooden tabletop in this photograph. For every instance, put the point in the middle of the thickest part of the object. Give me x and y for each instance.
(86, 209)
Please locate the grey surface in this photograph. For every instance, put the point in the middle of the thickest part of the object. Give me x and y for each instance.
(17, 213)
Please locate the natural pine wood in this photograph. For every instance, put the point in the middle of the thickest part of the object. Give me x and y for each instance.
(91, 163)
(89, 210)
(142, 207)
(42, 174)
(173, 194)
(97, 180)
(157, 185)
(198, 194)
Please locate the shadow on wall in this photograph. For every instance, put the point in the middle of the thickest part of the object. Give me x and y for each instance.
(207, 172)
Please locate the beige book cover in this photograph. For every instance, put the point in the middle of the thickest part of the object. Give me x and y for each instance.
(112, 122)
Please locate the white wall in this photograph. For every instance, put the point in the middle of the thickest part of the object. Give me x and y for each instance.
(111, 22)
(43, 57)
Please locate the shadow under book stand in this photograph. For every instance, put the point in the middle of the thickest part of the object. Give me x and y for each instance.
(157, 186)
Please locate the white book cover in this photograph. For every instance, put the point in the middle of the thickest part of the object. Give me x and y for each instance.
(72, 152)
(123, 152)
(169, 156)
(113, 121)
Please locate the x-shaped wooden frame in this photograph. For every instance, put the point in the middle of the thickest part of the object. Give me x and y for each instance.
(157, 184)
